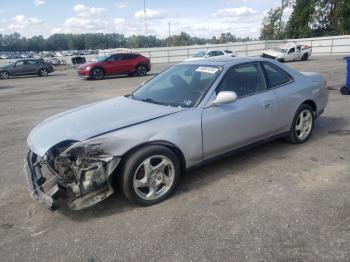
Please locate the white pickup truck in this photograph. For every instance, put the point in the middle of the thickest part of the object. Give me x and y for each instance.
(289, 52)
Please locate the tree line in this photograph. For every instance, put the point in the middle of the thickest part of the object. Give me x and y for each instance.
(57, 42)
(309, 18)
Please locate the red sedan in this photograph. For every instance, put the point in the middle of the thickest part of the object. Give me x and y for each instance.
(116, 64)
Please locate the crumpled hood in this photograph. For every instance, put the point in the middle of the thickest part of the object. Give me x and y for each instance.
(92, 120)
(273, 53)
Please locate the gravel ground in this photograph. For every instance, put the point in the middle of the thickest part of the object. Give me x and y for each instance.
(276, 202)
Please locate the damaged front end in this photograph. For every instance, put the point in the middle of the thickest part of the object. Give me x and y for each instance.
(81, 173)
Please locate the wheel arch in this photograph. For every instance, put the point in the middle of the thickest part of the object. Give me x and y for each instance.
(167, 144)
(98, 67)
(5, 71)
(312, 104)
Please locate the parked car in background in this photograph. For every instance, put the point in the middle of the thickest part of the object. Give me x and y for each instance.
(186, 115)
(116, 64)
(26, 67)
(211, 53)
(289, 52)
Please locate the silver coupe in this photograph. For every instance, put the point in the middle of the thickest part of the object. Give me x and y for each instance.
(186, 115)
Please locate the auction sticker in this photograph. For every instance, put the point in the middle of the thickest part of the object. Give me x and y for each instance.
(207, 69)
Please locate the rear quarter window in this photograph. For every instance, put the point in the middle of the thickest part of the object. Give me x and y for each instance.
(275, 75)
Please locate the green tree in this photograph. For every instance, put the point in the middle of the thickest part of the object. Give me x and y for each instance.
(301, 19)
(272, 25)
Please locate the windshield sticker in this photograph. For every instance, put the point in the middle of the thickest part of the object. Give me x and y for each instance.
(188, 102)
(206, 69)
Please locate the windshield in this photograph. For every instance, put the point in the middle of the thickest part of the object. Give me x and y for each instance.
(200, 54)
(179, 86)
(101, 58)
(279, 49)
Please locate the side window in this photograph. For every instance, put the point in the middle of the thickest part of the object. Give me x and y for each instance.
(211, 54)
(218, 53)
(291, 51)
(113, 58)
(30, 62)
(19, 63)
(245, 80)
(129, 56)
(275, 75)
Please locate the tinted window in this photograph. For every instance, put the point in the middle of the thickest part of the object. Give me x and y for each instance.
(292, 50)
(112, 58)
(211, 53)
(218, 53)
(30, 62)
(19, 63)
(275, 75)
(129, 56)
(243, 79)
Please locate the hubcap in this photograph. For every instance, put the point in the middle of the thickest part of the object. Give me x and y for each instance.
(304, 124)
(141, 71)
(4, 75)
(43, 72)
(154, 177)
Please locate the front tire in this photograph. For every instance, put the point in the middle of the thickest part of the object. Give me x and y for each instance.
(97, 74)
(303, 125)
(4, 75)
(43, 72)
(141, 70)
(150, 175)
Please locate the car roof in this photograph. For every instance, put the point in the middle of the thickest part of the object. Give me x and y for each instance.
(225, 60)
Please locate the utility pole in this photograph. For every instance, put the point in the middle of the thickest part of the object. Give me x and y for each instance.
(169, 28)
(145, 14)
(169, 34)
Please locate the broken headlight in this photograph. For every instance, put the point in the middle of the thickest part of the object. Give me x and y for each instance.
(84, 167)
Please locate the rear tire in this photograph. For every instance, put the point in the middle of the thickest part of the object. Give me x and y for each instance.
(43, 72)
(4, 75)
(150, 175)
(305, 57)
(97, 74)
(141, 70)
(303, 125)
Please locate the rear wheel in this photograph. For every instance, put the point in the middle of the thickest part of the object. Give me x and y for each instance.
(303, 125)
(305, 57)
(97, 74)
(141, 70)
(4, 75)
(43, 72)
(150, 175)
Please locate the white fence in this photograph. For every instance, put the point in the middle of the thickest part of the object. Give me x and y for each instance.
(334, 45)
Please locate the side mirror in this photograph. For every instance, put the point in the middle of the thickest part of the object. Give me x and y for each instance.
(225, 97)
(206, 56)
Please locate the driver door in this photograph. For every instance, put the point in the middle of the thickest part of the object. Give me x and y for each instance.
(249, 119)
(18, 68)
(290, 55)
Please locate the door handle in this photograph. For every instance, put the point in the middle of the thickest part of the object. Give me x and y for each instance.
(267, 105)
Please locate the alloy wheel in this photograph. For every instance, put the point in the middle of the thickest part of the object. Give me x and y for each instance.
(154, 177)
(303, 124)
(141, 70)
(44, 72)
(4, 75)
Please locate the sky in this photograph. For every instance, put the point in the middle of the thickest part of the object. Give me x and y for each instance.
(198, 18)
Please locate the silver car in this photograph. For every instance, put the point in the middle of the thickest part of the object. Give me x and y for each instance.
(186, 115)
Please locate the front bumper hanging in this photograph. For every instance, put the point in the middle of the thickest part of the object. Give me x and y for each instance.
(36, 180)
